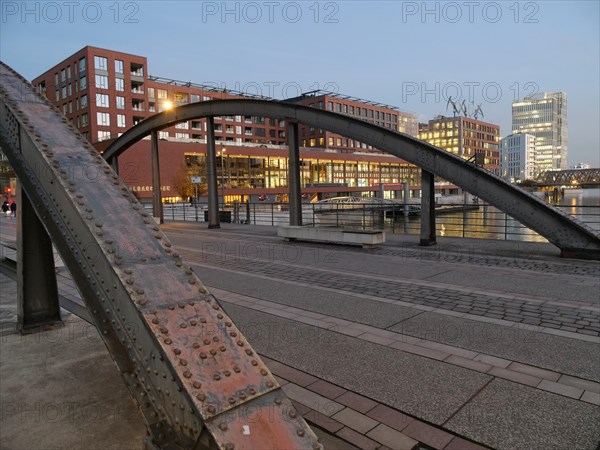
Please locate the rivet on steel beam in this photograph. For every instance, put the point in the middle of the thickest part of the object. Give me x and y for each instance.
(223, 426)
(300, 431)
(317, 446)
(187, 374)
(278, 401)
(193, 323)
(215, 339)
(206, 341)
(201, 396)
(195, 345)
(254, 362)
(222, 348)
(171, 307)
(183, 362)
(176, 351)
(216, 377)
(202, 355)
(213, 352)
(240, 343)
(183, 325)
(229, 446)
(293, 414)
(252, 391)
(197, 385)
(263, 372)
(168, 341)
(231, 400)
(163, 330)
(219, 316)
(228, 324)
(215, 307)
(270, 384)
(233, 334)
(249, 352)
(243, 395)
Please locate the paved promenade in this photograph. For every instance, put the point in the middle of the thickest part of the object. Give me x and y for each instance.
(470, 343)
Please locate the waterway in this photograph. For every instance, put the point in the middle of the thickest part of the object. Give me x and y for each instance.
(490, 223)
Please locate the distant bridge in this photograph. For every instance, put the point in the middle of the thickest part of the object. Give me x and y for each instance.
(571, 177)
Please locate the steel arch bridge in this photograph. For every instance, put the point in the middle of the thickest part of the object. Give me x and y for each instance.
(198, 382)
(574, 238)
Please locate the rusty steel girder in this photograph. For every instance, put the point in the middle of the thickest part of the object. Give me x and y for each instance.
(197, 380)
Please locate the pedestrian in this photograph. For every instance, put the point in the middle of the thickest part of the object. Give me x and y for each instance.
(5, 207)
(13, 209)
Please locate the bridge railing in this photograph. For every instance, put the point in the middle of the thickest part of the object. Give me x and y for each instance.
(454, 219)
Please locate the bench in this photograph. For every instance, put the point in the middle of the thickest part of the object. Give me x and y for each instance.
(365, 238)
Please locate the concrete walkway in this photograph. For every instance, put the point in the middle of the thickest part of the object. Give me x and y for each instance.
(495, 342)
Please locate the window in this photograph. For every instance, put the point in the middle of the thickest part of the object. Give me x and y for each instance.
(69, 90)
(118, 66)
(100, 63)
(102, 100)
(120, 84)
(103, 119)
(194, 98)
(162, 94)
(84, 120)
(103, 135)
(69, 73)
(330, 106)
(82, 65)
(163, 134)
(63, 75)
(182, 125)
(101, 81)
(150, 92)
(83, 83)
(182, 136)
(121, 120)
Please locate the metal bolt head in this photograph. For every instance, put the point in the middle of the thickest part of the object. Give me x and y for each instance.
(223, 426)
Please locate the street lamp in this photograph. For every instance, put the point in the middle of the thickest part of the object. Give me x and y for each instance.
(222, 155)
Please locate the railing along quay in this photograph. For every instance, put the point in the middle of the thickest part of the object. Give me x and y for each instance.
(470, 220)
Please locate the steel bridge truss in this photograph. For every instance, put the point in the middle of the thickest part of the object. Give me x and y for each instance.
(575, 177)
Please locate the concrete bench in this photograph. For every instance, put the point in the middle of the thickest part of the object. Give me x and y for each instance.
(365, 238)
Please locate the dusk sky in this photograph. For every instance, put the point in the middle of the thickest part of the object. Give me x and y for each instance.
(412, 55)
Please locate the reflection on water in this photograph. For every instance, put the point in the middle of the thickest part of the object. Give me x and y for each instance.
(490, 223)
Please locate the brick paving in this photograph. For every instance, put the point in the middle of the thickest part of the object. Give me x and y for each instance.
(548, 314)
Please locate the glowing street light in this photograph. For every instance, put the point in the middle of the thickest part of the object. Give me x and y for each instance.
(167, 104)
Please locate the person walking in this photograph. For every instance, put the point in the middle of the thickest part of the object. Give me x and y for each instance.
(5, 207)
(13, 209)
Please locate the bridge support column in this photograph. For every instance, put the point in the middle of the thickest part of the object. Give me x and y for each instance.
(157, 210)
(294, 175)
(37, 292)
(427, 209)
(114, 163)
(211, 167)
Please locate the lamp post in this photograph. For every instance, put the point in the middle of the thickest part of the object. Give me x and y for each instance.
(222, 155)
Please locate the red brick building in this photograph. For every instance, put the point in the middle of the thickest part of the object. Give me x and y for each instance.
(104, 93)
(465, 136)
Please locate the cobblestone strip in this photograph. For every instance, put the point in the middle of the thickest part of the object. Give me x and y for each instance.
(483, 253)
(360, 421)
(562, 384)
(510, 308)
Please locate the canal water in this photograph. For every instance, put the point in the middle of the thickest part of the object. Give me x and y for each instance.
(490, 223)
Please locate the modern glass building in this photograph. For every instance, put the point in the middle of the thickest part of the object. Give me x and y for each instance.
(544, 115)
(518, 157)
